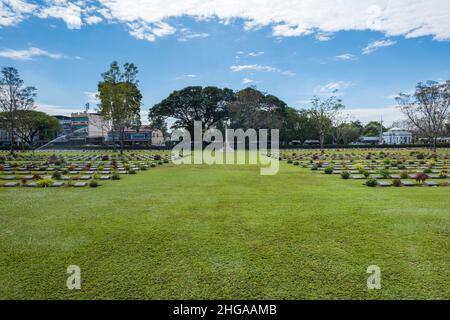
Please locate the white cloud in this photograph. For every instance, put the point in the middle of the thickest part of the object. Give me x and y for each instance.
(93, 20)
(68, 11)
(321, 36)
(373, 46)
(186, 76)
(259, 68)
(334, 88)
(92, 98)
(13, 12)
(187, 34)
(346, 56)
(409, 18)
(256, 54)
(389, 114)
(55, 110)
(29, 54)
(247, 81)
(145, 31)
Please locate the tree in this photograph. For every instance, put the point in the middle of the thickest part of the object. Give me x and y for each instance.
(14, 97)
(31, 124)
(257, 110)
(427, 109)
(208, 105)
(323, 113)
(297, 125)
(372, 129)
(348, 132)
(159, 123)
(120, 99)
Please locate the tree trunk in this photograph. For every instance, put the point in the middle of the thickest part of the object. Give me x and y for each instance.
(322, 140)
(11, 137)
(121, 140)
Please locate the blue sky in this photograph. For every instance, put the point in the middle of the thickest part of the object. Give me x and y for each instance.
(63, 50)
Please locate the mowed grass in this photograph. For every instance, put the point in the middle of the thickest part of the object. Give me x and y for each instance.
(225, 232)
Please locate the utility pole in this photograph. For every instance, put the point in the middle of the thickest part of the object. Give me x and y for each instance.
(381, 130)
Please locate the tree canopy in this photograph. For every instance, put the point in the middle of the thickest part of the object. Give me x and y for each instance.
(120, 99)
(208, 105)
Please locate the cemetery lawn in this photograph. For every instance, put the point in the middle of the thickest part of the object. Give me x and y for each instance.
(225, 232)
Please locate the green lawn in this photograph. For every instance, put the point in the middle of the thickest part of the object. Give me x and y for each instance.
(225, 232)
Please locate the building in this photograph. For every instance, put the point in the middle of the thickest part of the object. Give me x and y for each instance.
(88, 128)
(144, 136)
(158, 138)
(369, 140)
(397, 136)
(5, 139)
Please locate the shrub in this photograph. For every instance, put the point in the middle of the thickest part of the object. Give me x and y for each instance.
(56, 175)
(314, 167)
(289, 161)
(397, 183)
(131, 171)
(427, 170)
(402, 167)
(157, 157)
(420, 156)
(345, 175)
(37, 177)
(385, 173)
(105, 158)
(143, 168)
(371, 182)
(166, 161)
(93, 184)
(296, 163)
(404, 175)
(328, 170)
(115, 176)
(421, 177)
(160, 163)
(152, 165)
(443, 174)
(366, 174)
(44, 183)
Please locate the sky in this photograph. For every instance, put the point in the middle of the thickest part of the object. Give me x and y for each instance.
(368, 50)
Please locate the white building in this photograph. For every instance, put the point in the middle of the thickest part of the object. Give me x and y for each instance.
(397, 136)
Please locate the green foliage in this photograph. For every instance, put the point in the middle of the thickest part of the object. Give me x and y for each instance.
(397, 183)
(208, 105)
(371, 182)
(385, 173)
(94, 184)
(56, 175)
(328, 170)
(120, 98)
(44, 183)
(345, 175)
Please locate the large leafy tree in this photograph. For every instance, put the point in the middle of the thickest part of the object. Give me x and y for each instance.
(208, 105)
(372, 129)
(298, 126)
(324, 113)
(120, 99)
(31, 124)
(14, 97)
(427, 109)
(257, 110)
